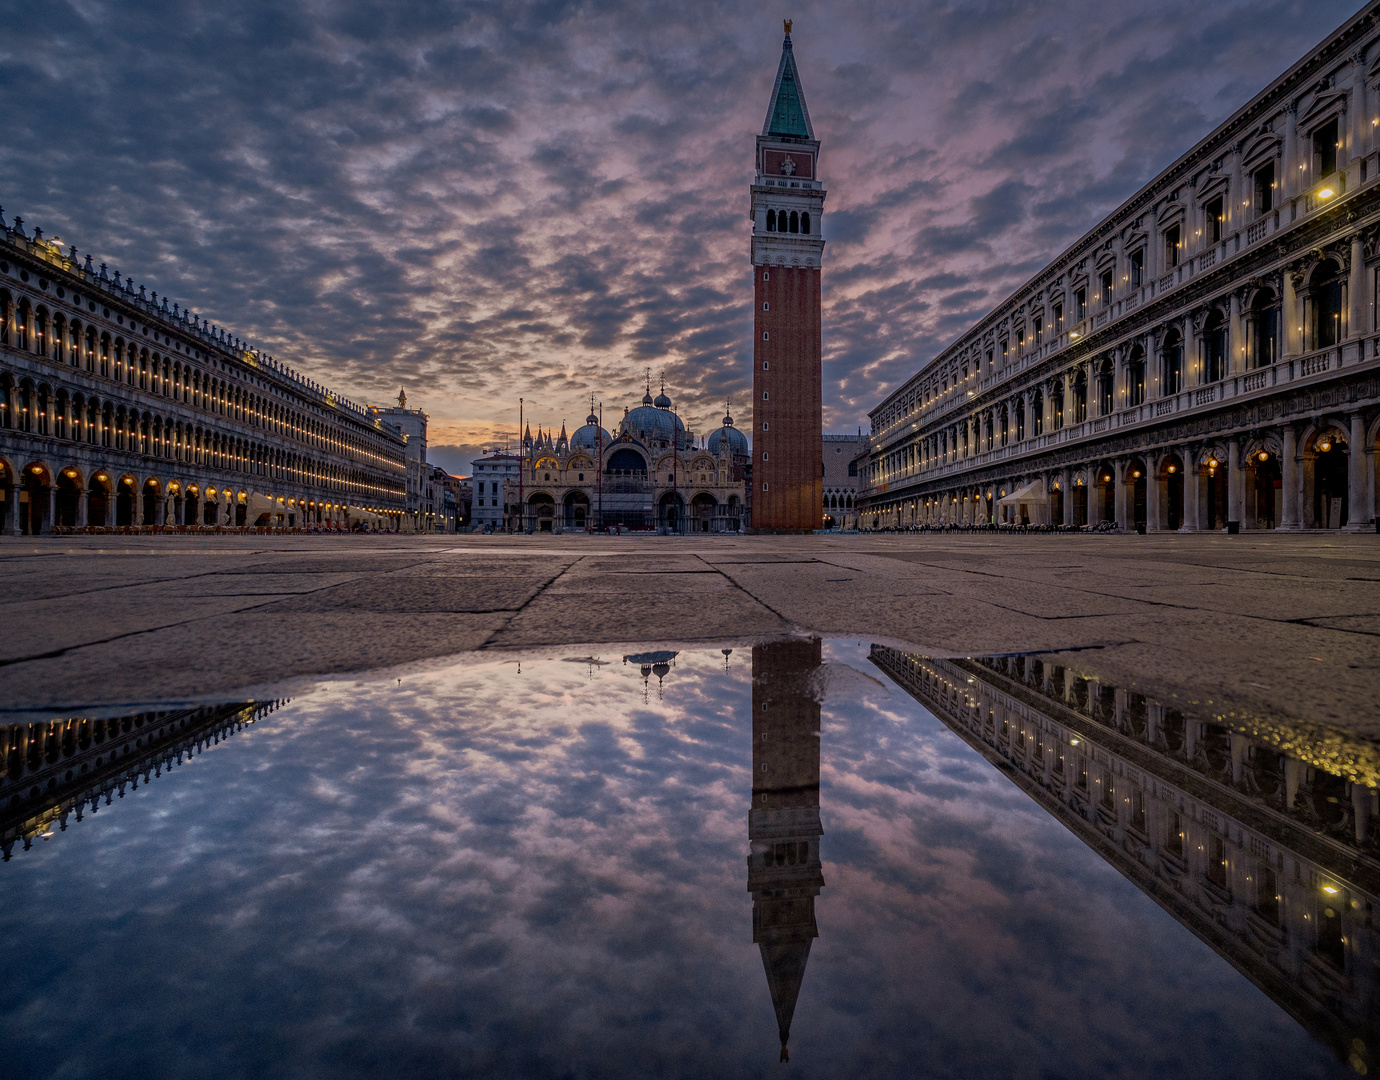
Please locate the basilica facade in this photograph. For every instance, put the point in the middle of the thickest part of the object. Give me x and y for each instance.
(1206, 358)
(652, 474)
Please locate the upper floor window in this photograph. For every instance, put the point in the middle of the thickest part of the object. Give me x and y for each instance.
(1172, 246)
(1058, 318)
(1265, 189)
(1212, 221)
(1137, 268)
(1104, 292)
(771, 221)
(1039, 326)
(852, 468)
(1325, 150)
(1080, 305)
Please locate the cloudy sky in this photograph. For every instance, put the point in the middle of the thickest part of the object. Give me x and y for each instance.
(481, 871)
(486, 200)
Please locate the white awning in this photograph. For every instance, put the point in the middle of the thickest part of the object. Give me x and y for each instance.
(1033, 492)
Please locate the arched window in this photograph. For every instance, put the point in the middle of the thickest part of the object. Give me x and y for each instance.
(1106, 381)
(1056, 403)
(795, 222)
(1135, 377)
(1020, 419)
(1037, 413)
(771, 221)
(1080, 397)
(805, 223)
(6, 314)
(1325, 300)
(1264, 328)
(1173, 360)
(1214, 348)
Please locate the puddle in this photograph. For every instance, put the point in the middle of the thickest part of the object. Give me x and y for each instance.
(667, 864)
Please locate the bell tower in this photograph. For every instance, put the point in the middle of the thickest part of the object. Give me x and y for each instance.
(787, 249)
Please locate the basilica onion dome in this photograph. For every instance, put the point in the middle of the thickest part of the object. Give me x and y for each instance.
(587, 437)
(651, 425)
(737, 441)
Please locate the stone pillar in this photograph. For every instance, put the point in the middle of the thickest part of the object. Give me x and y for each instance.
(1289, 182)
(1152, 496)
(1289, 316)
(1066, 485)
(1191, 494)
(51, 513)
(1358, 509)
(1289, 480)
(1236, 342)
(1356, 290)
(82, 495)
(1236, 484)
(1119, 491)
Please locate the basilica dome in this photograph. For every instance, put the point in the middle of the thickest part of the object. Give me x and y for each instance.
(649, 424)
(587, 437)
(737, 441)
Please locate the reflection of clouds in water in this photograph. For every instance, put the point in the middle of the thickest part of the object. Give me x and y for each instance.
(491, 873)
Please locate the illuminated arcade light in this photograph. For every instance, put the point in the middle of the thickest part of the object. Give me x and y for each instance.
(1264, 456)
(1324, 446)
(1326, 193)
(1330, 890)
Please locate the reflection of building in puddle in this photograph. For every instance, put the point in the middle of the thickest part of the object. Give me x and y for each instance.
(652, 663)
(783, 824)
(1271, 860)
(54, 768)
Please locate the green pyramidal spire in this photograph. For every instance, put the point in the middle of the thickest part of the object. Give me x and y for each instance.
(787, 114)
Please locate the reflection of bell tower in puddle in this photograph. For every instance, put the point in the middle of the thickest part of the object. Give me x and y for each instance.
(783, 825)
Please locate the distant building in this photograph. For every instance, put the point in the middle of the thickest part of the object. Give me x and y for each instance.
(459, 495)
(494, 475)
(421, 509)
(842, 454)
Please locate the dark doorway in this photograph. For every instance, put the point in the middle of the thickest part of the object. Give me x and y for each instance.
(1330, 485)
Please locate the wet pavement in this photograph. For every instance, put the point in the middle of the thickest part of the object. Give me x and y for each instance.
(687, 862)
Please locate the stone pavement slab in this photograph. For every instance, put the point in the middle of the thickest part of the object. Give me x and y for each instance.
(1286, 624)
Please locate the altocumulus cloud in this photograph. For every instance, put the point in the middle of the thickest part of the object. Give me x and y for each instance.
(484, 200)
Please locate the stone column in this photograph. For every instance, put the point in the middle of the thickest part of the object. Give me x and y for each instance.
(1356, 290)
(1289, 182)
(1236, 342)
(1152, 496)
(1119, 491)
(1066, 485)
(1358, 509)
(1236, 483)
(1191, 494)
(1289, 316)
(51, 500)
(1289, 480)
(82, 495)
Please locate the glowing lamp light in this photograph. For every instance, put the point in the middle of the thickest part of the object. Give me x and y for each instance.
(36, 469)
(1326, 193)
(1330, 890)
(1073, 742)
(1172, 468)
(1264, 456)
(1107, 479)
(1136, 474)
(1212, 463)
(1324, 446)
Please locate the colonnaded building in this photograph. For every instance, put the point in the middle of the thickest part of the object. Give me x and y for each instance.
(653, 474)
(118, 409)
(1205, 357)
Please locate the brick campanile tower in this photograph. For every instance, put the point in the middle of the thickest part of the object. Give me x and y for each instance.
(788, 415)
